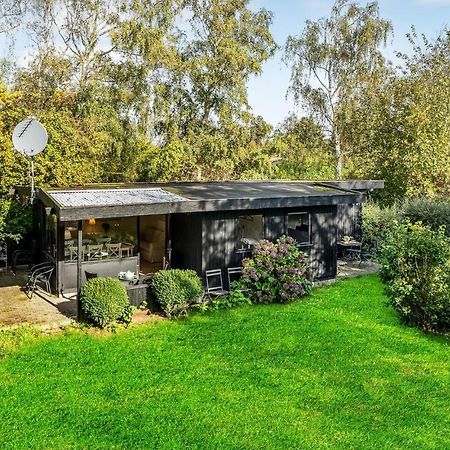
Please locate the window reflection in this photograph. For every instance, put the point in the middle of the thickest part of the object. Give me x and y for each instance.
(299, 227)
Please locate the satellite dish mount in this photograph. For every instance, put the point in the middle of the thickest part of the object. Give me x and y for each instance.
(30, 138)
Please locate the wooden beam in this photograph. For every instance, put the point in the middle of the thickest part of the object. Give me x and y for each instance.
(138, 233)
(168, 252)
(79, 267)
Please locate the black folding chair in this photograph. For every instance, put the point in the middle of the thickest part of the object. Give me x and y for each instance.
(234, 274)
(20, 257)
(214, 284)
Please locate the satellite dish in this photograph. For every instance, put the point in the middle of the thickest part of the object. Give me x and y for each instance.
(29, 137)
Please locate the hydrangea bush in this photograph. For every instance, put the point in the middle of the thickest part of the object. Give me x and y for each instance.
(276, 272)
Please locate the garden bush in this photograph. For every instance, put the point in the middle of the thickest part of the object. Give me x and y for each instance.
(377, 223)
(276, 272)
(104, 301)
(175, 290)
(434, 212)
(416, 271)
(234, 299)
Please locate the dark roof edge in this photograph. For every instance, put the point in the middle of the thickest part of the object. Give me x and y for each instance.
(205, 206)
(354, 185)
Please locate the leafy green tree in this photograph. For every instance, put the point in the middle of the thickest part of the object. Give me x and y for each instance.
(226, 44)
(303, 149)
(400, 130)
(331, 60)
(218, 47)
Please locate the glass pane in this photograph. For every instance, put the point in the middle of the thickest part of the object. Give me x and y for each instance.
(102, 238)
(250, 230)
(299, 227)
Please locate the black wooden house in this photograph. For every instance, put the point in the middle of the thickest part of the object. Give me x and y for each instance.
(108, 229)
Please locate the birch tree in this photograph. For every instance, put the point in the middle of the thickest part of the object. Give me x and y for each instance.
(331, 60)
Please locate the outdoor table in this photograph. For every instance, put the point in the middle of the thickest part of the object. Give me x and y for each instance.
(136, 291)
(345, 246)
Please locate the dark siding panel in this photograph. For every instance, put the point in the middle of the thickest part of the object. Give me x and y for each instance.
(274, 224)
(219, 240)
(213, 242)
(324, 242)
(186, 240)
(349, 219)
(209, 240)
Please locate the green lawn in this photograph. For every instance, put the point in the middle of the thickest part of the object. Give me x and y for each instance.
(335, 370)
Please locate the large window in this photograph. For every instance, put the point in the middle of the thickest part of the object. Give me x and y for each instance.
(102, 238)
(299, 227)
(250, 230)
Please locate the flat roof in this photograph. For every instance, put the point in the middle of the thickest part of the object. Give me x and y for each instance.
(138, 199)
(112, 197)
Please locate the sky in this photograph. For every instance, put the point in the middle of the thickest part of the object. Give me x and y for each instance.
(267, 93)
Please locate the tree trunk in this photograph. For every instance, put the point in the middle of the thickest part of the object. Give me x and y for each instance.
(338, 151)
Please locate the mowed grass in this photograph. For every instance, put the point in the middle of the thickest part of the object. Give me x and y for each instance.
(334, 370)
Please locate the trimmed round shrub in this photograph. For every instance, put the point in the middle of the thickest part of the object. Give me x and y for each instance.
(104, 300)
(276, 272)
(416, 272)
(175, 290)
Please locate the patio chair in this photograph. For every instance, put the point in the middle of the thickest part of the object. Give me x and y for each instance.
(214, 284)
(361, 255)
(234, 273)
(113, 250)
(39, 278)
(126, 249)
(94, 251)
(36, 267)
(73, 253)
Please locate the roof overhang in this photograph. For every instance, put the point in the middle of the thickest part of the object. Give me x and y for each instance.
(194, 198)
(355, 185)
